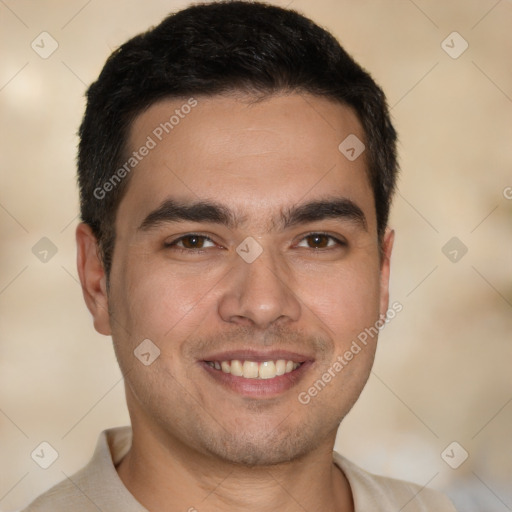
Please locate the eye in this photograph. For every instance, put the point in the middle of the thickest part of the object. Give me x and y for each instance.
(320, 241)
(191, 241)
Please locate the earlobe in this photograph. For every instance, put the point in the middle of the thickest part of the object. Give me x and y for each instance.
(92, 278)
(387, 247)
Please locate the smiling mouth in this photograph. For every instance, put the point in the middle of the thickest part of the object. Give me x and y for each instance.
(255, 369)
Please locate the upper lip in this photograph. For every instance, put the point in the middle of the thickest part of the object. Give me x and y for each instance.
(258, 356)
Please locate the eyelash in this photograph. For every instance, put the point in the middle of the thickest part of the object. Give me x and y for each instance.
(339, 242)
(173, 244)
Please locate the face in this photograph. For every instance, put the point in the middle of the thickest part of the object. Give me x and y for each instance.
(247, 253)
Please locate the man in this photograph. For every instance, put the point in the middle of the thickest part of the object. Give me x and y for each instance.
(236, 170)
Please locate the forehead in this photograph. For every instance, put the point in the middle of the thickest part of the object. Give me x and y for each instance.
(252, 156)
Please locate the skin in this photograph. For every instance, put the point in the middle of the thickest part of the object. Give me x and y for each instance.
(197, 442)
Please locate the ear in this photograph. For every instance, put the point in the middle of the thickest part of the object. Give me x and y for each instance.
(387, 247)
(93, 278)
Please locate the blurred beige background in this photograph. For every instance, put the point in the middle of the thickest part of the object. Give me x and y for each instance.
(443, 368)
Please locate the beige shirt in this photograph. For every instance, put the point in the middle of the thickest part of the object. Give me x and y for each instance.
(97, 487)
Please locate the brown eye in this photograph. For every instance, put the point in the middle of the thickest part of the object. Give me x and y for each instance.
(192, 242)
(320, 241)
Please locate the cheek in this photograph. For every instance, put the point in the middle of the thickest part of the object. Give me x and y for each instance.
(348, 304)
(152, 301)
(346, 299)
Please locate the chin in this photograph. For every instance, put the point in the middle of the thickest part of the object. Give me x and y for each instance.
(263, 447)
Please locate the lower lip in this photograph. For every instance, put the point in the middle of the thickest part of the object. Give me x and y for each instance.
(258, 388)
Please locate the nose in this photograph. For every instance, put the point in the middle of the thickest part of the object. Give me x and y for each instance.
(259, 294)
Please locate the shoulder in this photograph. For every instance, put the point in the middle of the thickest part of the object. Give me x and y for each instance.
(95, 487)
(66, 495)
(382, 494)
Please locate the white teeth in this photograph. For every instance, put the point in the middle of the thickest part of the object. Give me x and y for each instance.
(254, 369)
(267, 370)
(236, 368)
(280, 367)
(250, 370)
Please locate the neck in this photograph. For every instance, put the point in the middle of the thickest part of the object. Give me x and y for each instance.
(166, 475)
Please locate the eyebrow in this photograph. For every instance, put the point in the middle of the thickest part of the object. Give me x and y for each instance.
(337, 208)
(201, 211)
(171, 210)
